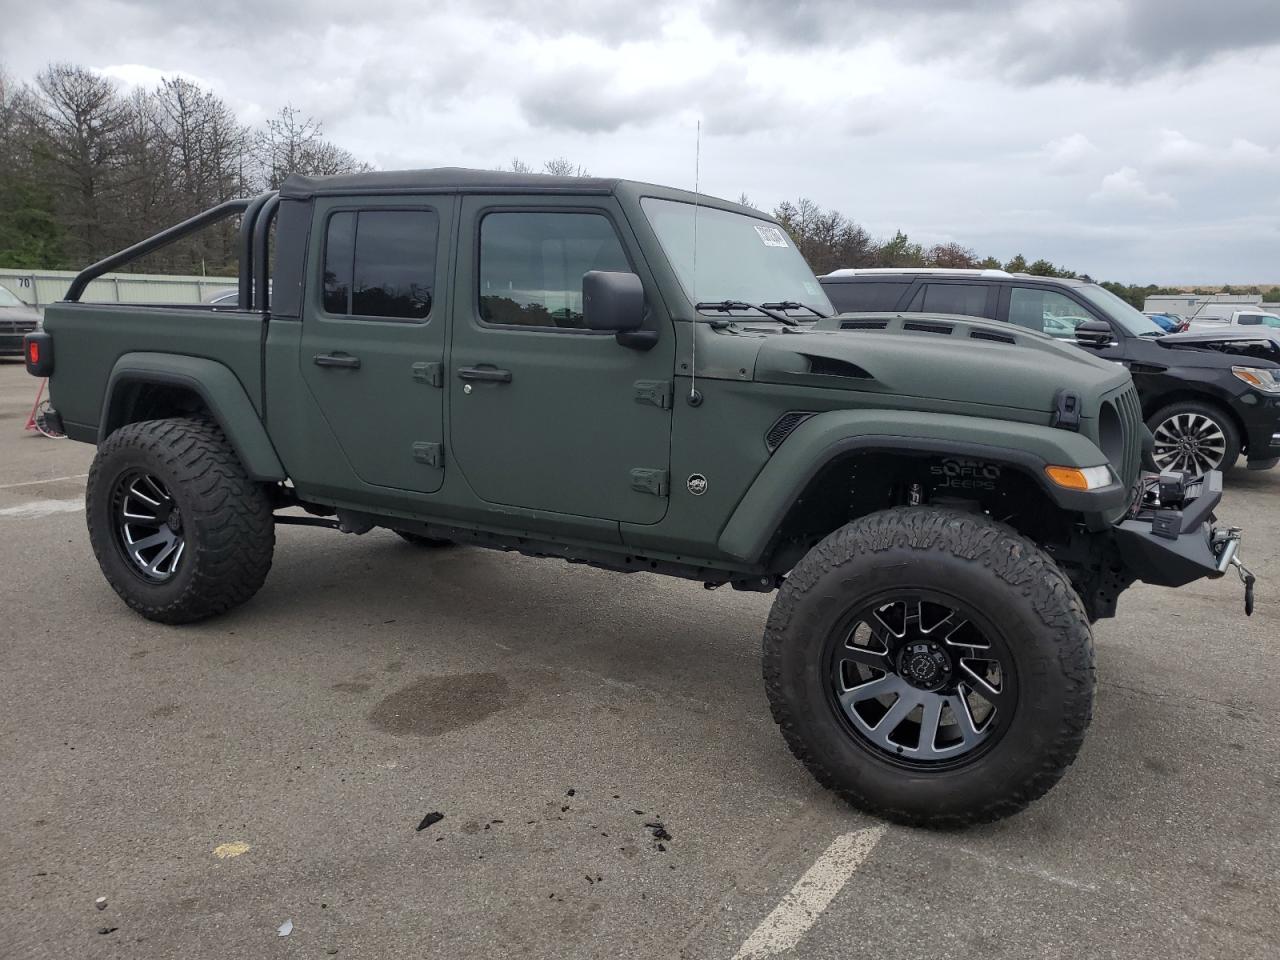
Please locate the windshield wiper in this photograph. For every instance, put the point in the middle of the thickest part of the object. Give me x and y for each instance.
(795, 305)
(727, 306)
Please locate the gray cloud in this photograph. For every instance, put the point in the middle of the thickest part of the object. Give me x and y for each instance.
(1027, 40)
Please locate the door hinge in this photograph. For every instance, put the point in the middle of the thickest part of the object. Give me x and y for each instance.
(429, 372)
(649, 480)
(432, 454)
(655, 392)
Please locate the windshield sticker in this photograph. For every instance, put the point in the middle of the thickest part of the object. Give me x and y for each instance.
(772, 236)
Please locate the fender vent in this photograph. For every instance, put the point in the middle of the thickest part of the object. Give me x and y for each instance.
(919, 326)
(828, 367)
(991, 335)
(783, 426)
(863, 324)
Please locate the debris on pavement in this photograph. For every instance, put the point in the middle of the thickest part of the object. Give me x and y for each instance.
(571, 792)
(659, 831)
(430, 818)
(224, 851)
(101, 903)
(285, 929)
(106, 930)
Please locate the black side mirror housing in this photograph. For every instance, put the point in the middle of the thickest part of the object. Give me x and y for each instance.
(1095, 333)
(615, 301)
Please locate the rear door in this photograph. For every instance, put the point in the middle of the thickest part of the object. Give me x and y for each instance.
(373, 335)
(544, 414)
(962, 297)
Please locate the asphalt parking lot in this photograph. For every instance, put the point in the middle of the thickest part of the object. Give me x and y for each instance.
(600, 748)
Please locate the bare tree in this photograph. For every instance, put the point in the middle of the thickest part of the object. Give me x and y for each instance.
(78, 118)
(294, 143)
(519, 166)
(564, 167)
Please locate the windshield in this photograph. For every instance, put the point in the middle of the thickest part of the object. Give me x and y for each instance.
(7, 299)
(1130, 318)
(739, 257)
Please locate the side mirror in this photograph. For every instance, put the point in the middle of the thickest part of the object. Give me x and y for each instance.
(615, 301)
(1095, 333)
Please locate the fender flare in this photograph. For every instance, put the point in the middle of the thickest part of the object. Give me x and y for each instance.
(822, 438)
(216, 385)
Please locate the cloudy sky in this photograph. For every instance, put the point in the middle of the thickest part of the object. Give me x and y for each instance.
(1137, 140)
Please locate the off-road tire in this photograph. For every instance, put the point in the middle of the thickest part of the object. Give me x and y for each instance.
(227, 519)
(993, 569)
(1220, 418)
(418, 540)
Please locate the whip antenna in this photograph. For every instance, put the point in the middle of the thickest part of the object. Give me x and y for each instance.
(695, 398)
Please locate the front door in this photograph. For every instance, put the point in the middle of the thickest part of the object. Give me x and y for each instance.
(373, 336)
(544, 414)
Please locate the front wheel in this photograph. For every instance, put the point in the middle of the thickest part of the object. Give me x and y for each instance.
(932, 667)
(1194, 436)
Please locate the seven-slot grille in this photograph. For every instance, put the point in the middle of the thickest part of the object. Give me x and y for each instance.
(1129, 408)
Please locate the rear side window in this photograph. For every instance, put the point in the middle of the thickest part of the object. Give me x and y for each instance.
(1047, 311)
(965, 299)
(531, 265)
(381, 264)
(865, 296)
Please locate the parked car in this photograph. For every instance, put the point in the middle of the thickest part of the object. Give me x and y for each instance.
(1204, 408)
(1169, 322)
(531, 363)
(16, 321)
(1243, 318)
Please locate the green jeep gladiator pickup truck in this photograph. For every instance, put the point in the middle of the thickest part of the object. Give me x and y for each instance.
(644, 379)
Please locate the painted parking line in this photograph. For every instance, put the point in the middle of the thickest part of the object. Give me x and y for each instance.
(42, 508)
(36, 483)
(803, 905)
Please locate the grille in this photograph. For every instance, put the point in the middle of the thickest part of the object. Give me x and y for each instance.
(17, 326)
(783, 426)
(863, 324)
(1129, 409)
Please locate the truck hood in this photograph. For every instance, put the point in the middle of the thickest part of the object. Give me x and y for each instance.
(961, 360)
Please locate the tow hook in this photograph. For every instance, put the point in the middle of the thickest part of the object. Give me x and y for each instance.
(1226, 546)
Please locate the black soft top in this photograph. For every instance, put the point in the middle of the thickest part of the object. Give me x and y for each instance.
(441, 180)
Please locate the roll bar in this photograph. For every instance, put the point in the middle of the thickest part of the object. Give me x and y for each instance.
(252, 247)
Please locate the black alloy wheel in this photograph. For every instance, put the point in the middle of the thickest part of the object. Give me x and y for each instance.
(921, 679)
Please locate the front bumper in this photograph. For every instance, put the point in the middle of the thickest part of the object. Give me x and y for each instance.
(1168, 538)
(1260, 416)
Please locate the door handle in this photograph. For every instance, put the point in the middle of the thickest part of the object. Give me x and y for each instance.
(337, 360)
(490, 374)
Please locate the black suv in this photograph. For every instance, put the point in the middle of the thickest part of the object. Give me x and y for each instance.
(1204, 403)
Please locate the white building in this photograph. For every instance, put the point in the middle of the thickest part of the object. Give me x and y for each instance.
(1214, 306)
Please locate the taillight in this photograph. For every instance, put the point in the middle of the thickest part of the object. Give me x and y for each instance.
(38, 353)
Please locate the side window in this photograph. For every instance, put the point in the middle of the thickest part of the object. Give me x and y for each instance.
(380, 263)
(1047, 311)
(965, 299)
(865, 296)
(531, 265)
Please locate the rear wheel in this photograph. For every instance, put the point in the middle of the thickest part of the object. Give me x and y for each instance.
(931, 667)
(180, 531)
(1193, 436)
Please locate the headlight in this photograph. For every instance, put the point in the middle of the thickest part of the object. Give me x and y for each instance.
(1075, 478)
(1258, 378)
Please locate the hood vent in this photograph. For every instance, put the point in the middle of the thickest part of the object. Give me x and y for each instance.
(863, 324)
(919, 326)
(991, 335)
(830, 367)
